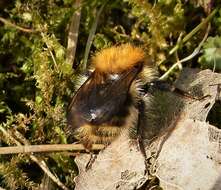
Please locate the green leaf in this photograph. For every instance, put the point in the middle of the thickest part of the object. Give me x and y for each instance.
(27, 67)
(211, 57)
(38, 99)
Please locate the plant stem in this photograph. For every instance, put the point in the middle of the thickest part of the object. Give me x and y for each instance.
(194, 31)
(91, 37)
(73, 33)
(46, 148)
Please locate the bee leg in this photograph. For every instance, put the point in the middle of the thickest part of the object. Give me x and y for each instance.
(168, 87)
(87, 144)
(188, 95)
(143, 152)
(140, 141)
(91, 161)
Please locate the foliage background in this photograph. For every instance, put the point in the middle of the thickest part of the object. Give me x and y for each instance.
(37, 79)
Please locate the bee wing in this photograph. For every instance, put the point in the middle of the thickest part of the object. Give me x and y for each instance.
(97, 103)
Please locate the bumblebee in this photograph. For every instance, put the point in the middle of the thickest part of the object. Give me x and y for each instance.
(108, 101)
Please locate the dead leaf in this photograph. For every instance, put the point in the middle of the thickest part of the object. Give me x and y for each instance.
(191, 157)
(119, 166)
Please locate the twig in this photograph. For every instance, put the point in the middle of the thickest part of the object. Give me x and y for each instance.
(45, 168)
(6, 22)
(194, 31)
(9, 136)
(41, 163)
(49, 49)
(73, 33)
(195, 52)
(91, 37)
(46, 148)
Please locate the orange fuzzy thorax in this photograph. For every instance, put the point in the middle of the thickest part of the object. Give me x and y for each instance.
(118, 58)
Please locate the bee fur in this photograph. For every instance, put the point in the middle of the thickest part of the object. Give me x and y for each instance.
(118, 58)
(105, 134)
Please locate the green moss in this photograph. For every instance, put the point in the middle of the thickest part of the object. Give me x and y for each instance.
(37, 82)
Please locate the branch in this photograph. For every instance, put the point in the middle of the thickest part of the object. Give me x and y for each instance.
(73, 33)
(41, 163)
(6, 22)
(91, 37)
(46, 148)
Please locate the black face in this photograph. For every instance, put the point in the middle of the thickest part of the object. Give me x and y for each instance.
(101, 98)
